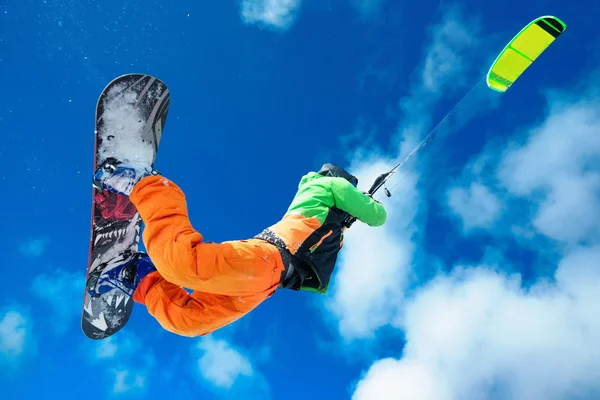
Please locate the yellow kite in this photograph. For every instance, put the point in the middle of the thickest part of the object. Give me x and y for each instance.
(522, 51)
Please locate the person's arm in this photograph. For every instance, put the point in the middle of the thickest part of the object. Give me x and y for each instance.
(356, 203)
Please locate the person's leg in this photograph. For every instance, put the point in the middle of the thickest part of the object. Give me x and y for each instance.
(194, 314)
(235, 268)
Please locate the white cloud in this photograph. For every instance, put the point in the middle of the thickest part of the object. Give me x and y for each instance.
(559, 163)
(553, 172)
(374, 269)
(273, 14)
(390, 379)
(15, 331)
(476, 205)
(132, 374)
(122, 346)
(128, 370)
(126, 380)
(62, 291)
(445, 62)
(107, 348)
(127, 363)
(221, 364)
(477, 333)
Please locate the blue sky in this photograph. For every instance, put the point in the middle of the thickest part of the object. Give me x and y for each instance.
(481, 285)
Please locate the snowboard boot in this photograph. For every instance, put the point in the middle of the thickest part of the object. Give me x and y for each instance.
(124, 273)
(121, 176)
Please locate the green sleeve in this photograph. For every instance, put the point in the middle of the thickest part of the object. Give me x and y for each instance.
(356, 203)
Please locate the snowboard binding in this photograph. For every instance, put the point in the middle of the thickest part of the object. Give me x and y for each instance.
(120, 176)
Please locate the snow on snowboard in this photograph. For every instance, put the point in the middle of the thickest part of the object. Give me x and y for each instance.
(130, 115)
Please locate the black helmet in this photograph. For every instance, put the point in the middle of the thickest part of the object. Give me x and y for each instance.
(336, 171)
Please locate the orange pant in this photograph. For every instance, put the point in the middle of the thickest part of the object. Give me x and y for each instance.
(229, 279)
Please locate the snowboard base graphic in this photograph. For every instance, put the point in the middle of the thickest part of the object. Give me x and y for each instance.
(130, 116)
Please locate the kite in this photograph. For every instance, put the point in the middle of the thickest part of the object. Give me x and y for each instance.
(522, 51)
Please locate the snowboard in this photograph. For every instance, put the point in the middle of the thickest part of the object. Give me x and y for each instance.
(130, 116)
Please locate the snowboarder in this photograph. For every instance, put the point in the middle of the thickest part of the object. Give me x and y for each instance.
(231, 278)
